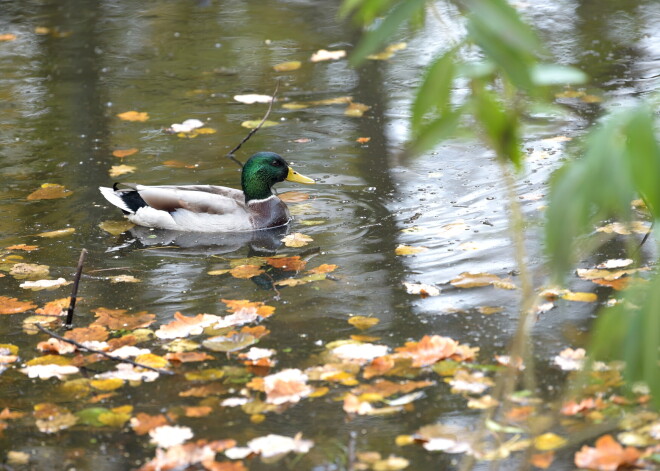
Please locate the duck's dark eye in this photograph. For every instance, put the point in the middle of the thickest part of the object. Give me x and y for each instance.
(276, 163)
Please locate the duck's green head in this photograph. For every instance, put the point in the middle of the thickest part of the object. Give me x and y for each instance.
(262, 171)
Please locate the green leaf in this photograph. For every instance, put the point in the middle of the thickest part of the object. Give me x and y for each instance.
(437, 130)
(374, 39)
(644, 156)
(434, 93)
(90, 416)
(500, 125)
(554, 74)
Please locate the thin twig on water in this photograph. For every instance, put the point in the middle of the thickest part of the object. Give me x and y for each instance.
(80, 346)
(231, 155)
(74, 290)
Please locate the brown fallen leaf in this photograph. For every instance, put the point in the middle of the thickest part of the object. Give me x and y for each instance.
(119, 319)
(324, 268)
(49, 191)
(27, 248)
(86, 334)
(246, 271)
(121, 153)
(143, 423)
(294, 263)
(56, 307)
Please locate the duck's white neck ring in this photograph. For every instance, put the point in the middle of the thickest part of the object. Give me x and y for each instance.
(263, 200)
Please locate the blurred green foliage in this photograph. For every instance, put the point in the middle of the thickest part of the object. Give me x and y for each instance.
(621, 156)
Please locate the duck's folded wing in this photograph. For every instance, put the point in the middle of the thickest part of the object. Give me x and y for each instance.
(203, 199)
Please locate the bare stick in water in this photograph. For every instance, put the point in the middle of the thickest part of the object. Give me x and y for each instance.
(254, 130)
(74, 290)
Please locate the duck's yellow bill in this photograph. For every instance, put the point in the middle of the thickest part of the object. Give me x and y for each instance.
(294, 176)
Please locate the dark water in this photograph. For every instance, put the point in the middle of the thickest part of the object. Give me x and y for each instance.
(59, 96)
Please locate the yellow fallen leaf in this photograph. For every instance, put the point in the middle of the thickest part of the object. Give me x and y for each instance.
(246, 271)
(581, 297)
(57, 233)
(152, 360)
(251, 124)
(109, 384)
(356, 110)
(403, 249)
(363, 322)
(133, 116)
(296, 240)
(116, 227)
(118, 170)
(404, 440)
(218, 272)
(549, 441)
(287, 66)
(7, 37)
(388, 51)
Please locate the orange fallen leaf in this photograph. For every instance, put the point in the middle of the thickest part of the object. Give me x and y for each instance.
(49, 191)
(294, 263)
(286, 386)
(607, 455)
(543, 460)
(142, 423)
(197, 411)
(246, 271)
(86, 334)
(324, 268)
(7, 37)
(431, 349)
(362, 140)
(27, 248)
(234, 305)
(121, 153)
(188, 357)
(14, 306)
(183, 326)
(133, 116)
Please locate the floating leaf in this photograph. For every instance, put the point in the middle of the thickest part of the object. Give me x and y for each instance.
(403, 249)
(464, 381)
(287, 386)
(121, 153)
(570, 360)
(356, 110)
(388, 52)
(472, 280)
(7, 37)
(44, 284)
(325, 55)
(118, 170)
(188, 357)
(14, 306)
(56, 307)
(187, 126)
(363, 322)
(88, 334)
(29, 270)
(549, 441)
(234, 305)
(57, 233)
(422, 289)
(253, 98)
(124, 279)
(183, 326)
(231, 343)
(246, 271)
(581, 297)
(287, 66)
(431, 349)
(360, 352)
(27, 248)
(296, 240)
(294, 263)
(143, 423)
(167, 436)
(251, 124)
(49, 191)
(133, 116)
(607, 455)
(119, 319)
(116, 227)
(324, 268)
(362, 140)
(49, 371)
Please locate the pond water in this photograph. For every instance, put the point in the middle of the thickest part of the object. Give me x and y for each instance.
(74, 66)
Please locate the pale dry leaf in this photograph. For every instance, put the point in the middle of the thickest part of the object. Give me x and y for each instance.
(296, 240)
(325, 55)
(118, 170)
(167, 436)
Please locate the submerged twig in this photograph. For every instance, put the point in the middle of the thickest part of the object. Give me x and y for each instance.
(100, 352)
(231, 155)
(74, 290)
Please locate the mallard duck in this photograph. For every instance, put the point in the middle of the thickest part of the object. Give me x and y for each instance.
(208, 208)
